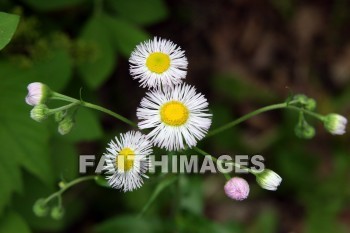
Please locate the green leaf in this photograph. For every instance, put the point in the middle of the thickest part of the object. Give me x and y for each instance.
(86, 128)
(8, 26)
(96, 69)
(55, 70)
(65, 158)
(191, 194)
(129, 224)
(24, 141)
(124, 35)
(13, 223)
(45, 5)
(140, 11)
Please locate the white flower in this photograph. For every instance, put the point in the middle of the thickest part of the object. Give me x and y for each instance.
(158, 62)
(177, 116)
(37, 93)
(127, 161)
(335, 123)
(268, 179)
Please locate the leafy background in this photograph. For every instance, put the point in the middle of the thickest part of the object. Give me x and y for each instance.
(242, 55)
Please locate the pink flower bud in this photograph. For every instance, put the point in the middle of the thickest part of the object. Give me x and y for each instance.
(237, 188)
(37, 93)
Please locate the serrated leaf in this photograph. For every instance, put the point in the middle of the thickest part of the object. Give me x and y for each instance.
(13, 223)
(96, 69)
(8, 26)
(125, 36)
(140, 11)
(45, 5)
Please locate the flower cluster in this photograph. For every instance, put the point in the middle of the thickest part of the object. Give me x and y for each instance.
(174, 115)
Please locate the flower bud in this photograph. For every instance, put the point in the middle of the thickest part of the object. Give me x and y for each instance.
(38, 93)
(237, 188)
(306, 102)
(57, 212)
(310, 104)
(335, 123)
(40, 208)
(304, 130)
(66, 125)
(59, 116)
(268, 179)
(39, 112)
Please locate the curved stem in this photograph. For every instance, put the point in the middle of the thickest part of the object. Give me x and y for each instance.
(245, 117)
(51, 111)
(67, 186)
(59, 96)
(105, 110)
(261, 110)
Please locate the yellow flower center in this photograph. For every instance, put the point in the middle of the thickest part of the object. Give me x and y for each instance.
(174, 113)
(125, 159)
(158, 62)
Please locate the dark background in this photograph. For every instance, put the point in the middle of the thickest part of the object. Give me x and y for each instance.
(243, 55)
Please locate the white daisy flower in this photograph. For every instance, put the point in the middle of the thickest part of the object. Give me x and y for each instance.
(127, 161)
(158, 62)
(177, 116)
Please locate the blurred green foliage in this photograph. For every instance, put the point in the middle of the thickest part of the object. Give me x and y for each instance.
(69, 44)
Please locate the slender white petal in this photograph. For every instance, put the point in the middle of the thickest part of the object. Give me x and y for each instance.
(172, 74)
(175, 135)
(131, 179)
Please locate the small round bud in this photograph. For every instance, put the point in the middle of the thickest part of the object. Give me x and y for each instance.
(40, 208)
(39, 112)
(268, 179)
(304, 131)
(57, 212)
(301, 98)
(66, 125)
(335, 123)
(59, 116)
(237, 188)
(310, 104)
(38, 93)
(61, 184)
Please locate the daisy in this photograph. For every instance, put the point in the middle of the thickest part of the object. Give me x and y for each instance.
(127, 161)
(177, 116)
(158, 62)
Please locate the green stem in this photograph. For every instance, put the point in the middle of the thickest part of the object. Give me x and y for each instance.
(67, 186)
(105, 110)
(59, 96)
(51, 111)
(261, 110)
